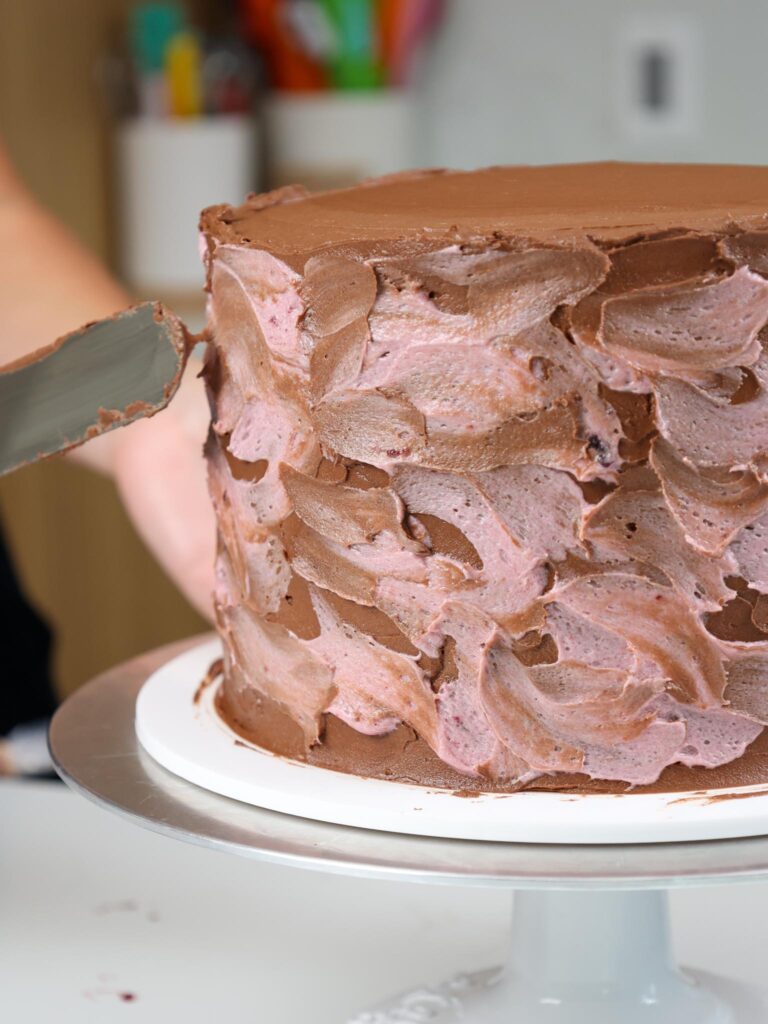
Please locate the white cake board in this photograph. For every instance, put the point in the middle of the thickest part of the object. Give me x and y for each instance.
(191, 740)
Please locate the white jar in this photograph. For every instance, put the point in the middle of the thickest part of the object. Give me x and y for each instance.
(169, 170)
(332, 139)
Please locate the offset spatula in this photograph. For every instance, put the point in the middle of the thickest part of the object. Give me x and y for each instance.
(102, 376)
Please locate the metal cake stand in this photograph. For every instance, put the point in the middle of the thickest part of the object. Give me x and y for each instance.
(589, 935)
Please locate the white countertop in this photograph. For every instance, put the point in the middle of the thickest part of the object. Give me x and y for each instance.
(93, 908)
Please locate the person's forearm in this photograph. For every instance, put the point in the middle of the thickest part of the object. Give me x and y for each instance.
(50, 284)
(158, 466)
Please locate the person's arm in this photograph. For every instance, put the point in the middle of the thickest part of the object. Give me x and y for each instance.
(159, 469)
(50, 284)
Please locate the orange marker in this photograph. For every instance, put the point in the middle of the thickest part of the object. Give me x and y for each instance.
(390, 19)
(290, 68)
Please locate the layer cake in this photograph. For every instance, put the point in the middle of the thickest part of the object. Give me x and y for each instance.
(489, 458)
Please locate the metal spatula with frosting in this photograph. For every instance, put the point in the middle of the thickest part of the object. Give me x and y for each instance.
(104, 375)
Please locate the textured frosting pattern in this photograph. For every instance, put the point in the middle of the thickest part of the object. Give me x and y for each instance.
(509, 491)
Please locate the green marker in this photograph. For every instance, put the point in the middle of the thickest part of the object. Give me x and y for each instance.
(356, 64)
(152, 28)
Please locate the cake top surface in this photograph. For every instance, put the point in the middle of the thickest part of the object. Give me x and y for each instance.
(603, 200)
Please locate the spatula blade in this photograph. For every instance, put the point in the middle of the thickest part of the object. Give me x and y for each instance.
(102, 376)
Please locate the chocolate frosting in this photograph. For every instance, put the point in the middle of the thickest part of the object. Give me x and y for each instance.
(558, 202)
(489, 458)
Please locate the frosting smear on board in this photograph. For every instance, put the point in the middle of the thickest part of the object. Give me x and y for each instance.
(489, 457)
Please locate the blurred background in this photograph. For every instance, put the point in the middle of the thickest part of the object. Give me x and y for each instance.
(125, 119)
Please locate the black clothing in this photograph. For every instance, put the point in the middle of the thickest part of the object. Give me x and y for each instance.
(26, 690)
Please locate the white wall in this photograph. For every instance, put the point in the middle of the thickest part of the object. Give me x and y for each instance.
(536, 81)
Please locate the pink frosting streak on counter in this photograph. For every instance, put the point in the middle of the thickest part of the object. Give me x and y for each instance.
(508, 493)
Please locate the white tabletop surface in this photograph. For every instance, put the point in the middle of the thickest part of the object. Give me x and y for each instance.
(93, 909)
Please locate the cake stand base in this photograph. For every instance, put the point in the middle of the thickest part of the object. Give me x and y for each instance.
(590, 942)
(582, 958)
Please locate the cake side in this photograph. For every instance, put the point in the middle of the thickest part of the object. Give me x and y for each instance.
(493, 506)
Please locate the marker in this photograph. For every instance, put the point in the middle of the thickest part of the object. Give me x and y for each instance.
(151, 28)
(183, 67)
(357, 64)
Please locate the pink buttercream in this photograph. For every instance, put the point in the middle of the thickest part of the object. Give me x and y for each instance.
(479, 381)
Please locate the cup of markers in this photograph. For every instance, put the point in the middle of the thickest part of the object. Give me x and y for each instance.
(187, 138)
(175, 71)
(339, 108)
(349, 45)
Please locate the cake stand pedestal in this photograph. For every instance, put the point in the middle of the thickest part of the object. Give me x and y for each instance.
(582, 958)
(589, 935)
